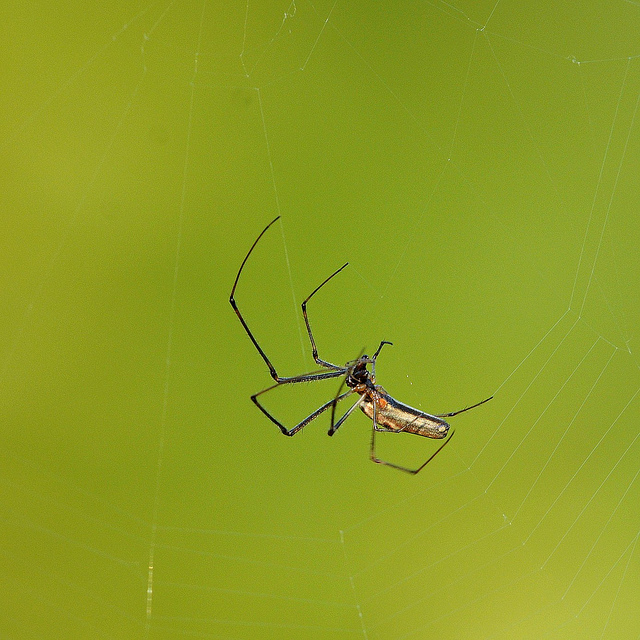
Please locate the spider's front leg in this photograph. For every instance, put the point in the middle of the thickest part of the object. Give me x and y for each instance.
(303, 378)
(314, 348)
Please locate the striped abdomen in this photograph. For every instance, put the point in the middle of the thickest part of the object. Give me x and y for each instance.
(395, 416)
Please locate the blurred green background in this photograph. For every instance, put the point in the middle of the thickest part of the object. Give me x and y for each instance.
(475, 162)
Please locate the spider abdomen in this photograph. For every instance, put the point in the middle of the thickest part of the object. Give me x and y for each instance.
(391, 415)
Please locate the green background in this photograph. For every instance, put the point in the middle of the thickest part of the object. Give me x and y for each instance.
(476, 163)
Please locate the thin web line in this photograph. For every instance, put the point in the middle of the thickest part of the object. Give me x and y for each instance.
(524, 393)
(622, 579)
(595, 198)
(570, 424)
(595, 493)
(315, 44)
(353, 588)
(524, 120)
(495, 6)
(288, 14)
(535, 348)
(632, 544)
(462, 97)
(615, 184)
(604, 528)
(408, 541)
(442, 559)
(169, 349)
(593, 386)
(526, 435)
(476, 570)
(463, 17)
(284, 240)
(468, 603)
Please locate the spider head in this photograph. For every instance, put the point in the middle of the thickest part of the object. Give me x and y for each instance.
(359, 374)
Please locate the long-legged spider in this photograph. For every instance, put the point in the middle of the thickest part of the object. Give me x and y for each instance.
(386, 413)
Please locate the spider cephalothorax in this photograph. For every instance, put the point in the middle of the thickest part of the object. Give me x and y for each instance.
(358, 374)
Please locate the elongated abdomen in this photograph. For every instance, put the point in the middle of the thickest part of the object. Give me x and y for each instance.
(395, 416)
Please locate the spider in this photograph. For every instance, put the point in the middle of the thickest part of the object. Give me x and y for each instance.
(386, 413)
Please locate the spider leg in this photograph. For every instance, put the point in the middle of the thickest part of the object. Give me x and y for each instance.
(263, 355)
(405, 469)
(310, 417)
(333, 409)
(375, 357)
(335, 426)
(232, 300)
(314, 349)
(455, 413)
